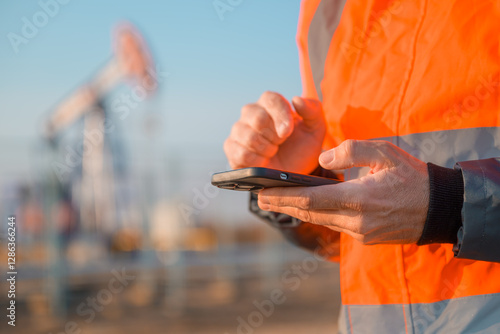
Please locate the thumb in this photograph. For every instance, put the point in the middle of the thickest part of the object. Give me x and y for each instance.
(310, 110)
(357, 153)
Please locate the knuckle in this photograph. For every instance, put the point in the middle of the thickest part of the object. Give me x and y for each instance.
(236, 154)
(252, 137)
(387, 150)
(245, 157)
(362, 239)
(356, 228)
(248, 109)
(362, 227)
(273, 101)
(365, 229)
(306, 201)
(254, 115)
(383, 146)
(360, 200)
(313, 104)
(269, 134)
(255, 141)
(259, 118)
(358, 225)
(352, 202)
(304, 215)
(350, 147)
(367, 239)
(384, 143)
(270, 97)
(235, 130)
(316, 104)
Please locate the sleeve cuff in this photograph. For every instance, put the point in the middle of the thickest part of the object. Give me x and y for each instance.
(444, 217)
(479, 236)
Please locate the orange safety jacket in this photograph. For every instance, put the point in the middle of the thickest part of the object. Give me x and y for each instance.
(423, 75)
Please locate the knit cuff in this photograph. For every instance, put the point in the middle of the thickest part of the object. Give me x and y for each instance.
(444, 217)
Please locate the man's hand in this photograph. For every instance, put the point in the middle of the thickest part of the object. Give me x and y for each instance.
(270, 133)
(389, 205)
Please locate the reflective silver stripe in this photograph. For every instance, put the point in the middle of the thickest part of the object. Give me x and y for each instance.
(474, 314)
(323, 25)
(373, 319)
(447, 147)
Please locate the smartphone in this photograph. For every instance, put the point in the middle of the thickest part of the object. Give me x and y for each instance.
(257, 178)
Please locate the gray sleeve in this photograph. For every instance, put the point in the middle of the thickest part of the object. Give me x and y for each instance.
(479, 236)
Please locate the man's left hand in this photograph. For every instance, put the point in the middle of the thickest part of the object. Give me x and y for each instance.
(387, 206)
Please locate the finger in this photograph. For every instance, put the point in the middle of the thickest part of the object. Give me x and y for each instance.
(259, 119)
(358, 153)
(311, 112)
(280, 111)
(241, 157)
(329, 197)
(335, 220)
(253, 140)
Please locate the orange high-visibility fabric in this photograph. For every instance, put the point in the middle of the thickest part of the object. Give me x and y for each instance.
(397, 68)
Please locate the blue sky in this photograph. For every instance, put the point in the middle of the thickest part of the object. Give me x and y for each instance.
(215, 66)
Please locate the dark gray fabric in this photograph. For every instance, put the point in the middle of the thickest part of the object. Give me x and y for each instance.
(323, 25)
(474, 314)
(479, 238)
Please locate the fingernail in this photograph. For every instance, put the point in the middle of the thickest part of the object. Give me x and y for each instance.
(327, 157)
(282, 129)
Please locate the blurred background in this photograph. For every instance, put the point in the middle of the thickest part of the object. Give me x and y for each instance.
(112, 120)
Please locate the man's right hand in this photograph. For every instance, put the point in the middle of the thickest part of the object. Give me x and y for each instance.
(270, 133)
